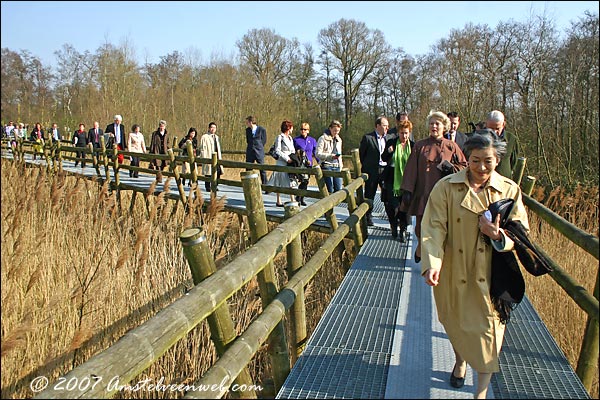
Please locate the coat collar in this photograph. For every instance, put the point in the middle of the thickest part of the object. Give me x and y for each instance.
(471, 201)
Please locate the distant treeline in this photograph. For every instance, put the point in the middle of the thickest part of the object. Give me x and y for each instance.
(545, 82)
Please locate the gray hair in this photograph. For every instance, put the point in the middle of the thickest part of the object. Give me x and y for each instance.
(484, 139)
(118, 117)
(162, 122)
(495, 116)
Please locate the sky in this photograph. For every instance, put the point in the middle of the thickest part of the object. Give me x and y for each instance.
(210, 29)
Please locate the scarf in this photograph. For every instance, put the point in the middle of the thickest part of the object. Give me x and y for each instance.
(400, 158)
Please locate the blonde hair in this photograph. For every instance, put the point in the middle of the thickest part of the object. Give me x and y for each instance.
(305, 125)
(335, 122)
(439, 116)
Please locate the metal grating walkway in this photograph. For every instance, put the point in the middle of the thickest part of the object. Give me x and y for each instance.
(380, 338)
(349, 352)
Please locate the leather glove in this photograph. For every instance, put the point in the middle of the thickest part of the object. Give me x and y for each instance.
(406, 197)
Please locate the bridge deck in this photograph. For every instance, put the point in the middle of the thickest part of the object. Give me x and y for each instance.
(380, 338)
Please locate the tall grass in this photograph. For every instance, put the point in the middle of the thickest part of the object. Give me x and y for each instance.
(564, 319)
(79, 269)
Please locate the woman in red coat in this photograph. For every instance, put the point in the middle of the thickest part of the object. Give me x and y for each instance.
(430, 160)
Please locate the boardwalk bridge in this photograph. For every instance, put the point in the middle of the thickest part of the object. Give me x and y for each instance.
(378, 338)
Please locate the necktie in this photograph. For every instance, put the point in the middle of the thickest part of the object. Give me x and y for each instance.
(96, 131)
(215, 141)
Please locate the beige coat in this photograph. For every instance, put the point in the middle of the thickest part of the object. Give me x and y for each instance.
(207, 146)
(325, 149)
(452, 244)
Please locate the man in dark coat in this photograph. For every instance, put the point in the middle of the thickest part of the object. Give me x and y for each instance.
(256, 138)
(370, 149)
(94, 135)
(453, 133)
(116, 135)
(496, 122)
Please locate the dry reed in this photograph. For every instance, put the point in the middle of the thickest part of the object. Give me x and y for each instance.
(564, 319)
(78, 272)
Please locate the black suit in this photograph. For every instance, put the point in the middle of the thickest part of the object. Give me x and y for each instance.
(110, 128)
(92, 137)
(460, 139)
(51, 135)
(255, 150)
(370, 156)
(112, 139)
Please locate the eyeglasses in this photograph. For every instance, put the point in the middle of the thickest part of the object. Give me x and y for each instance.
(303, 129)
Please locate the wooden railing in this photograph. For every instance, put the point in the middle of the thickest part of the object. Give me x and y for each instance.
(143, 345)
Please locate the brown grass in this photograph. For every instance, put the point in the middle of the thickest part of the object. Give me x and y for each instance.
(78, 272)
(563, 317)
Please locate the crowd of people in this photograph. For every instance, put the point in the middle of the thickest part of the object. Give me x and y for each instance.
(301, 150)
(447, 181)
(116, 135)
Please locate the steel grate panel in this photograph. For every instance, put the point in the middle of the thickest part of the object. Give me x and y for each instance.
(355, 328)
(514, 382)
(532, 366)
(366, 288)
(337, 373)
(529, 344)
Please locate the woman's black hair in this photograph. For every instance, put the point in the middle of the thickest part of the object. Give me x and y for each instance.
(484, 139)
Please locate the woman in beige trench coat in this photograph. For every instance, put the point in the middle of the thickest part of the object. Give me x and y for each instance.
(457, 260)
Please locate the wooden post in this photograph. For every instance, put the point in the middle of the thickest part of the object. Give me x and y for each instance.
(213, 173)
(175, 170)
(356, 163)
(360, 193)
(94, 158)
(351, 201)
(329, 215)
(298, 310)
(267, 280)
(192, 161)
(47, 149)
(116, 165)
(222, 329)
(527, 185)
(518, 171)
(588, 356)
(104, 158)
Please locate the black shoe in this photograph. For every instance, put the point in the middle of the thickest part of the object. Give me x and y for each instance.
(401, 237)
(302, 203)
(417, 258)
(394, 231)
(279, 205)
(456, 382)
(370, 222)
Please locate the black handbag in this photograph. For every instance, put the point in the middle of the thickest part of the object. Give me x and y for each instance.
(273, 153)
(507, 286)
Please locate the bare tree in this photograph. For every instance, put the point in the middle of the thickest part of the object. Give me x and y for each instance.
(356, 50)
(268, 55)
